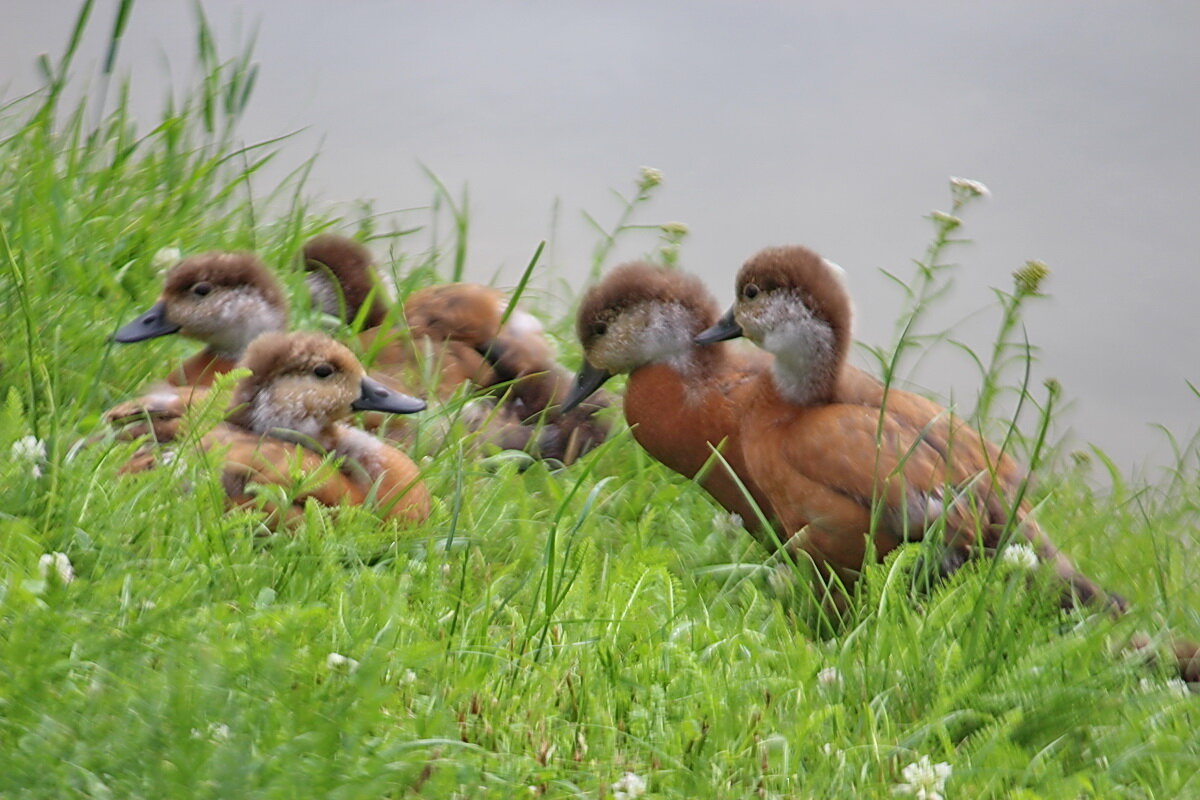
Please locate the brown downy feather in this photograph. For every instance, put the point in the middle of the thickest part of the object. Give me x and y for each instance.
(342, 277)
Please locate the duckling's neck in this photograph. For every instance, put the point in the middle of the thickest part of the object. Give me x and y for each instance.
(808, 358)
(241, 318)
(667, 340)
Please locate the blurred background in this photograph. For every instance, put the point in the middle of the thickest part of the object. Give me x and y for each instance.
(829, 124)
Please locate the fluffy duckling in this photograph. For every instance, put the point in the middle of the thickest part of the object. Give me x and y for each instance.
(681, 400)
(454, 336)
(443, 322)
(293, 405)
(535, 387)
(824, 446)
(224, 300)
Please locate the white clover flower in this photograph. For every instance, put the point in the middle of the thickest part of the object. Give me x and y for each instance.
(925, 780)
(341, 663)
(166, 258)
(675, 228)
(30, 450)
(219, 732)
(727, 523)
(969, 187)
(651, 177)
(408, 677)
(829, 677)
(630, 785)
(59, 563)
(1020, 555)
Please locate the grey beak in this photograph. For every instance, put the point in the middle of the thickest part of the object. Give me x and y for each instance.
(149, 325)
(587, 381)
(377, 397)
(726, 328)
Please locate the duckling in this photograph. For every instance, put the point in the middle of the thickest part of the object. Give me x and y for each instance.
(442, 321)
(828, 446)
(535, 387)
(292, 405)
(451, 328)
(224, 300)
(681, 400)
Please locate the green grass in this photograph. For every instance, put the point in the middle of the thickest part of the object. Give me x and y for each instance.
(545, 631)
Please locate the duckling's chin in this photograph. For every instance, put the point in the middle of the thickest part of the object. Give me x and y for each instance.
(268, 414)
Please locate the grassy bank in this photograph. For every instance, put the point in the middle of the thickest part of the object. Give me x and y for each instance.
(547, 631)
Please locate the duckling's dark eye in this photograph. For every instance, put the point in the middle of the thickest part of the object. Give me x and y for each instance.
(323, 370)
(201, 289)
(599, 328)
(749, 291)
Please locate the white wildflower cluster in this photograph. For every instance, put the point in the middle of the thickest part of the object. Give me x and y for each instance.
(969, 187)
(58, 563)
(340, 663)
(166, 258)
(30, 450)
(1020, 555)
(217, 732)
(830, 677)
(650, 178)
(924, 780)
(629, 786)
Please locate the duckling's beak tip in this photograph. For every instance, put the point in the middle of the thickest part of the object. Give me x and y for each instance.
(587, 381)
(725, 328)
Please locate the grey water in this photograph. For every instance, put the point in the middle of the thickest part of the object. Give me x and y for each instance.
(830, 124)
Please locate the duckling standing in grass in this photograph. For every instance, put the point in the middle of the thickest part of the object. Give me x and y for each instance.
(853, 469)
(681, 400)
(829, 451)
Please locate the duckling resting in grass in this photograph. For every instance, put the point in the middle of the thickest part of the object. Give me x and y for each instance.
(286, 427)
(223, 300)
(454, 337)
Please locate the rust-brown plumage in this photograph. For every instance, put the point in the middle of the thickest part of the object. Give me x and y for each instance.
(681, 400)
(826, 448)
(286, 419)
(342, 278)
(535, 387)
(448, 330)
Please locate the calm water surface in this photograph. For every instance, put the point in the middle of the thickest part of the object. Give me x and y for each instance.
(824, 123)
